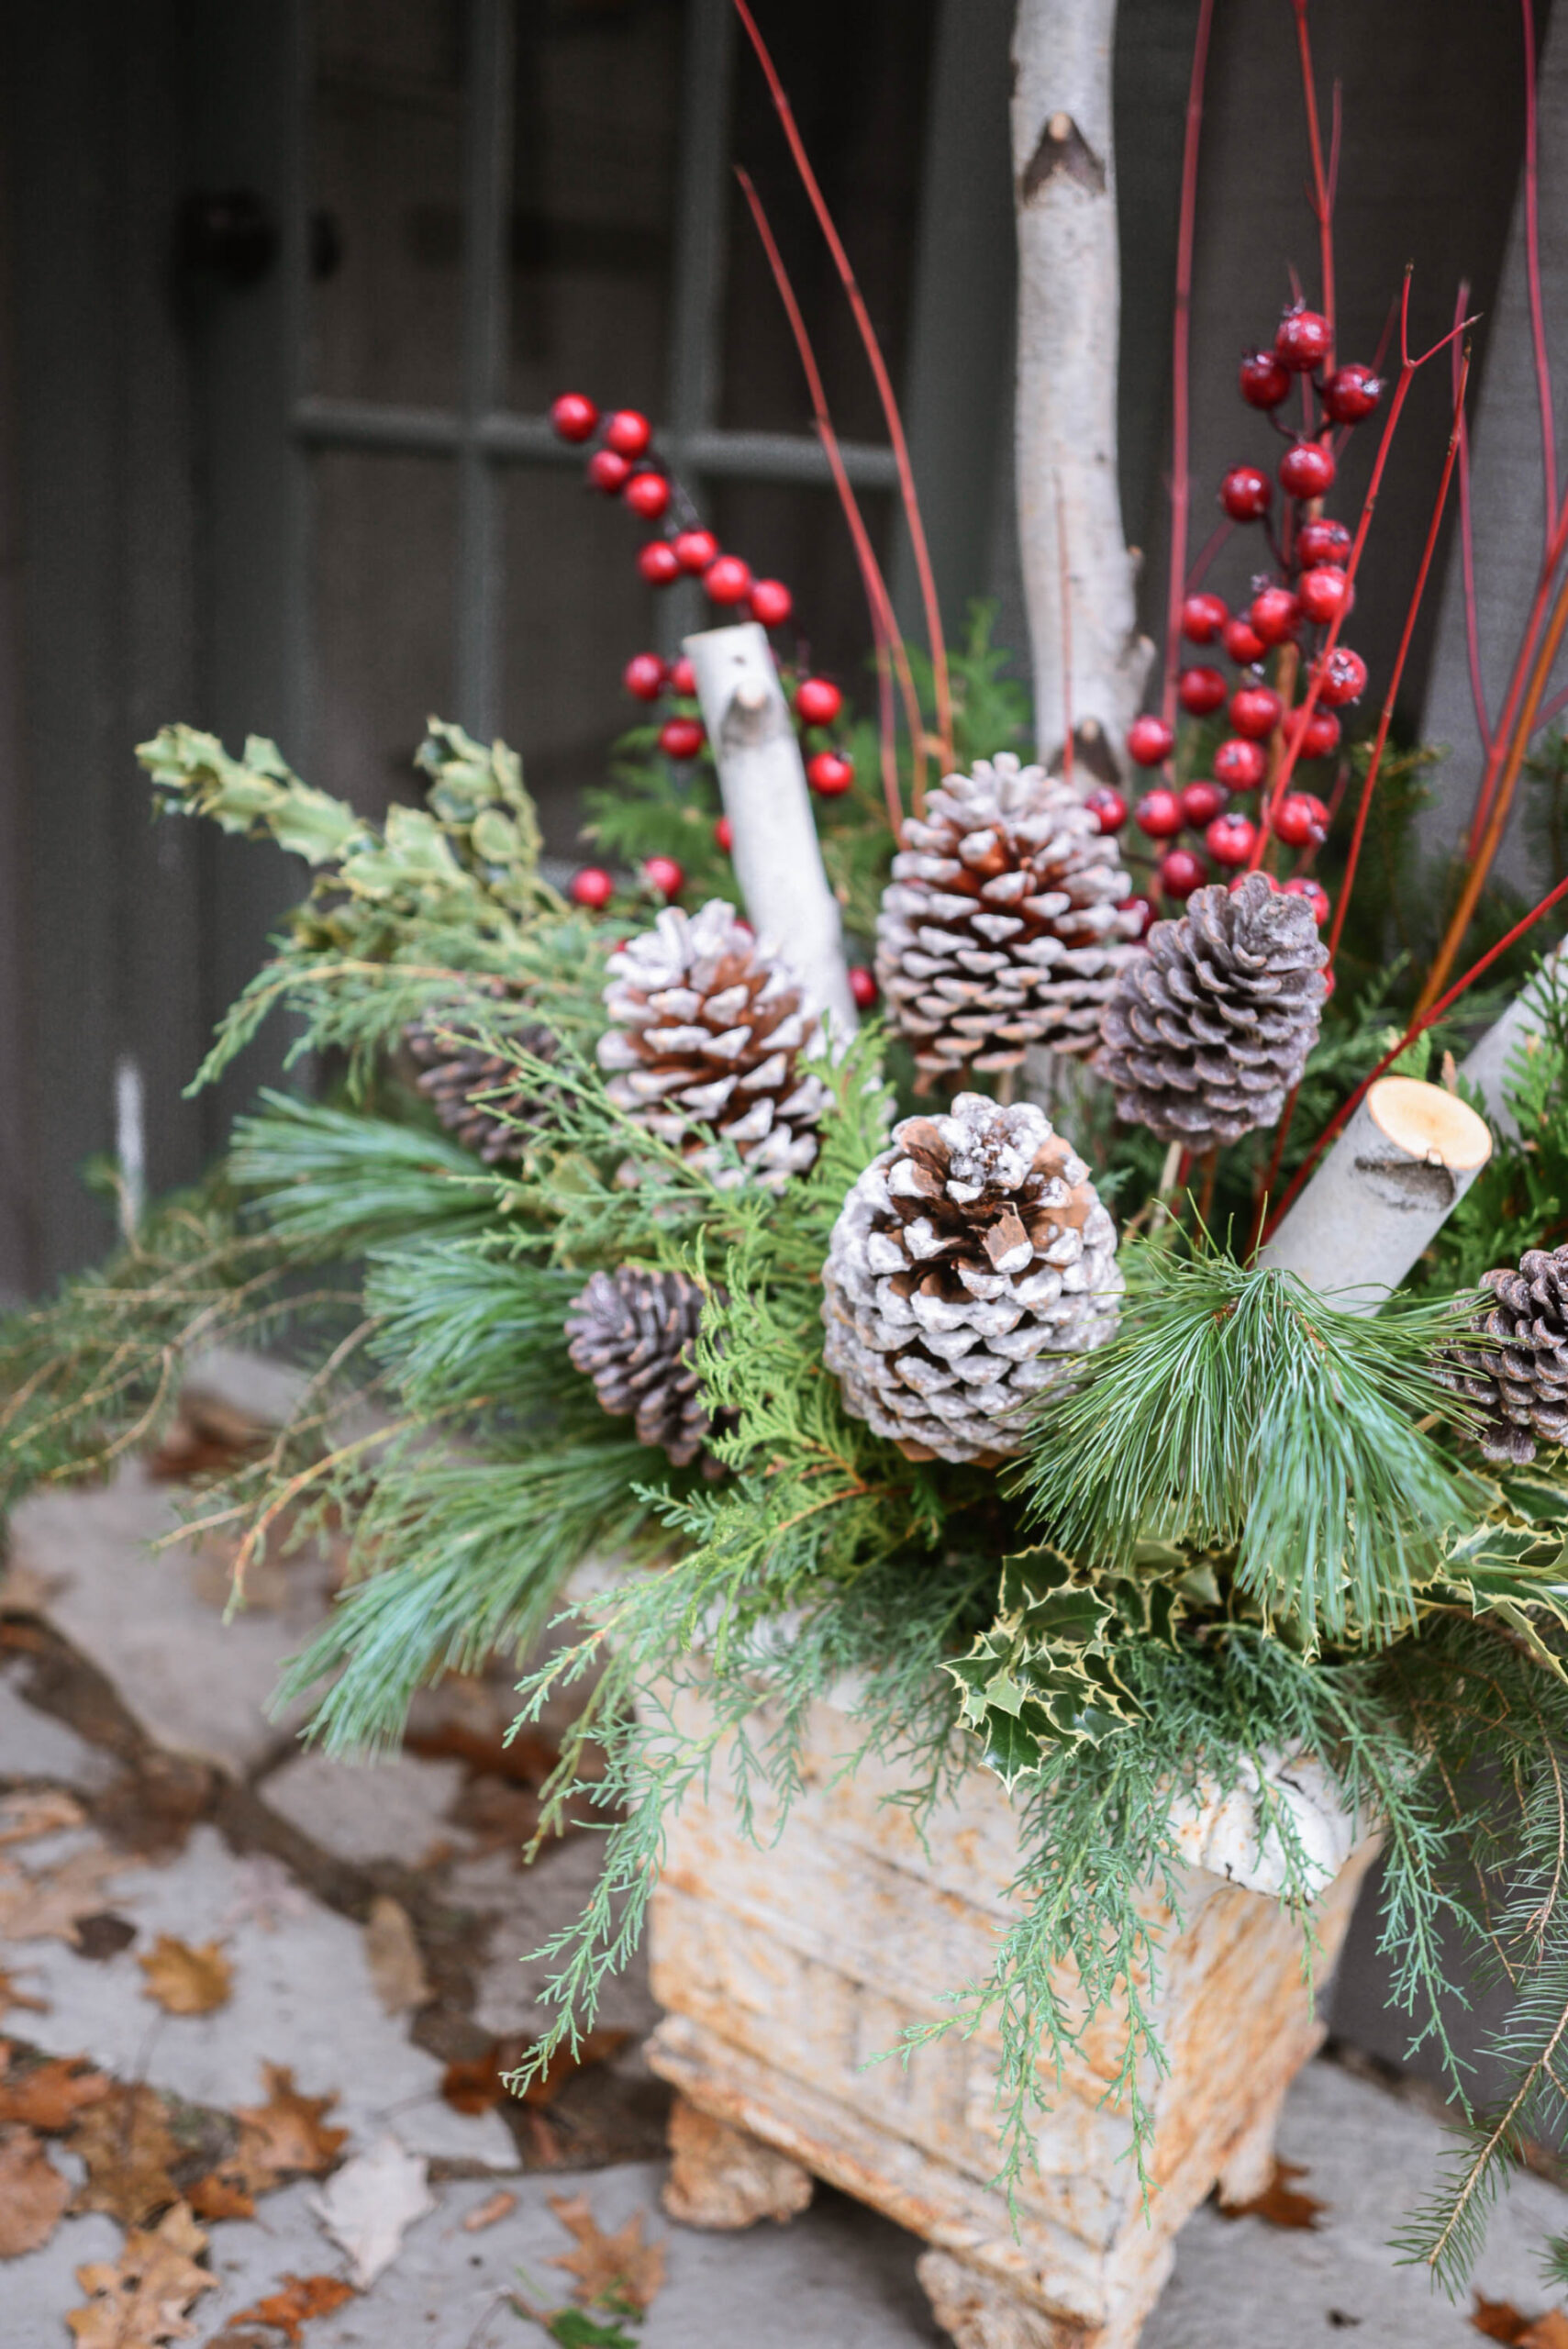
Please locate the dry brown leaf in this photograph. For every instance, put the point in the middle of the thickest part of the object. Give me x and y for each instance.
(223, 2193)
(11, 1997)
(1279, 2204)
(33, 2195)
(618, 2272)
(527, 1758)
(1548, 2331)
(286, 2133)
(51, 2095)
(301, 2297)
(206, 1437)
(1498, 2320)
(187, 1981)
(139, 2300)
(45, 1907)
(477, 2084)
(45, 1813)
(126, 2142)
(392, 1954)
(102, 1936)
(497, 2206)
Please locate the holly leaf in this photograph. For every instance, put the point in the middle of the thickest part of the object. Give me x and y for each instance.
(1280, 2204)
(140, 2299)
(33, 2195)
(287, 2133)
(618, 2272)
(187, 1981)
(49, 2095)
(129, 2150)
(295, 2303)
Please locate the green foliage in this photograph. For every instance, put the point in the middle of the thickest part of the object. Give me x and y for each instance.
(1519, 1199)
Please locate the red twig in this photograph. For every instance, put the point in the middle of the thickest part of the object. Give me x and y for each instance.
(1322, 196)
(1532, 265)
(879, 370)
(1181, 335)
(884, 627)
(1467, 556)
(1554, 708)
(1206, 555)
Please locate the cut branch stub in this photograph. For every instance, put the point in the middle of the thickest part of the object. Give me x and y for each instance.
(762, 781)
(1397, 1171)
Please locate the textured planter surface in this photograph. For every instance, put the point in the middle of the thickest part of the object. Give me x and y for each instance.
(785, 1968)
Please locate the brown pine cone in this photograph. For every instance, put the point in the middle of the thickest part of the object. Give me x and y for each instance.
(633, 1334)
(970, 1256)
(1522, 1384)
(1207, 1031)
(708, 1045)
(1000, 927)
(451, 1074)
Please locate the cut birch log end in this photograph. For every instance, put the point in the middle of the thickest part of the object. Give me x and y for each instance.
(723, 2179)
(763, 782)
(1489, 1065)
(1287, 1821)
(1397, 1171)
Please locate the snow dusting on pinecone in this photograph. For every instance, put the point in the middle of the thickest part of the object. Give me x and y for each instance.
(1001, 927)
(708, 1043)
(971, 1257)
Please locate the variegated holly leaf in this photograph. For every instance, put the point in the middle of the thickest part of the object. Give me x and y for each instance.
(1044, 1673)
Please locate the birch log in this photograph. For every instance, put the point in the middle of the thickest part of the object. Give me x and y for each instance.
(1487, 1064)
(1397, 1171)
(1069, 314)
(766, 798)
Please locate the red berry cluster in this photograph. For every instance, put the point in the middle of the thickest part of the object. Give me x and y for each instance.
(1308, 591)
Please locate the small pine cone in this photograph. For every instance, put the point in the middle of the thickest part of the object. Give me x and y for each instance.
(710, 1036)
(971, 1255)
(1207, 1032)
(1522, 1384)
(1000, 927)
(632, 1334)
(452, 1073)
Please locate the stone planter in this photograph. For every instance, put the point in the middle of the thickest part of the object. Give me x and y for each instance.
(784, 1969)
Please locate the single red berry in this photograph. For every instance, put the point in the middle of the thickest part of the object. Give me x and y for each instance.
(1230, 840)
(680, 738)
(1108, 807)
(1306, 471)
(591, 887)
(1255, 710)
(1300, 820)
(817, 701)
(1242, 643)
(1326, 592)
(1344, 677)
(694, 550)
(1241, 766)
(772, 602)
(1351, 392)
(644, 676)
(829, 772)
(683, 677)
(1320, 735)
(1303, 339)
(1275, 613)
(1266, 379)
(658, 562)
(1150, 741)
(573, 416)
(1143, 907)
(724, 834)
(608, 471)
(1323, 541)
(663, 874)
(1245, 494)
(1303, 885)
(863, 987)
(1202, 801)
(628, 432)
(1159, 813)
(727, 580)
(1180, 873)
(1200, 690)
(1203, 616)
(648, 495)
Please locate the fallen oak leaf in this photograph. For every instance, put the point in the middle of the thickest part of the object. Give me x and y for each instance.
(485, 2080)
(1498, 2320)
(287, 2133)
(1548, 2331)
(187, 1981)
(33, 2195)
(300, 2299)
(129, 2150)
(618, 2272)
(392, 1954)
(1279, 2204)
(224, 2193)
(371, 2204)
(45, 1907)
(49, 2095)
(45, 1813)
(140, 2299)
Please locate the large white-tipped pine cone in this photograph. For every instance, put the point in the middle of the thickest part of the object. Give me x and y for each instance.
(1001, 927)
(710, 1038)
(969, 1258)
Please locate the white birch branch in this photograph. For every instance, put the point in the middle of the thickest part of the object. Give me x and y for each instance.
(777, 861)
(1397, 1171)
(1069, 315)
(1486, 1065)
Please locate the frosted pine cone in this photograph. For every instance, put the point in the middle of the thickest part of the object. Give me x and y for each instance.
(710, 1035)
(452, 1073)
(633, 1334)
(1522, 1384)
(970, 1257)
(1207, 1032)
(1000, 926)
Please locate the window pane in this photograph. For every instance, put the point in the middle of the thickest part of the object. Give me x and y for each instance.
(598, 134)
(386, 574)
(386, 149)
